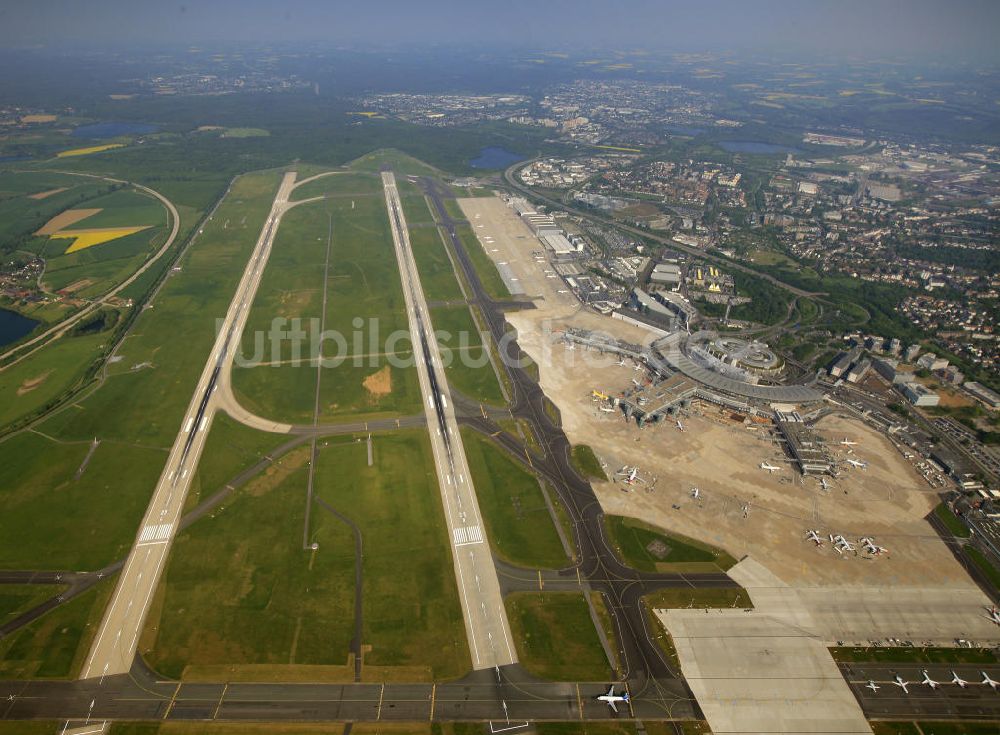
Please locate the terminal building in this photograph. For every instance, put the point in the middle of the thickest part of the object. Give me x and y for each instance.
(804, 445)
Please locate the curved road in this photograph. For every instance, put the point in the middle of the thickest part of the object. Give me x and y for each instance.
(57, 330)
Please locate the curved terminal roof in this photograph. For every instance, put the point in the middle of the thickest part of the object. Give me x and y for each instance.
(772, 393)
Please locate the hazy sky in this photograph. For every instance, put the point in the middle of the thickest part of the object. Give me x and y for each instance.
(948, 29)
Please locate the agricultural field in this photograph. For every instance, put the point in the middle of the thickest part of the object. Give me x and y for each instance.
(145, 393)
(89, 249)
(365, 308)
(555, 636)
(518, 522)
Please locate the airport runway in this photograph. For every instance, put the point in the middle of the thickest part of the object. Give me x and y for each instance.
(479, 589)
(114, 645)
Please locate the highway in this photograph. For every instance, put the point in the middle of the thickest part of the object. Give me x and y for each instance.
(479, 588)
(114, 646)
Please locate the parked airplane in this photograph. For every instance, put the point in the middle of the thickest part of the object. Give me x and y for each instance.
(769, 467)
(956, 679)
(814, 536)
(695, 493)
(901, 684)
(848, 443)
(680, 425)
(858, 463)
(988, 681)
(929, 681)
(873, 686)
(841, 544)
(994, 615)
(872, 548)
(570, 346)
(611, 698)
(637, 367)
(621, 363)
(824, 484)
(631, 474)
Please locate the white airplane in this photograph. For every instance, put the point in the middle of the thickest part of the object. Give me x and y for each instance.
(858, 463)
(841, 544)
(631, 474)
(769, 467)
(929, 681)
(872, 548)
(570, 346)
(637, 367)
(873, 686)
(848, 443)
(814, 537)
(988, 681)
(621, 363)
(611, 698)
(680, 425)
(695, 492)
(994, 615)
(824, 484)
(956, 679)
(902, 684)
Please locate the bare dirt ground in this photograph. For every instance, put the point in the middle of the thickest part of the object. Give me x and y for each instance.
(379, 383)
(65, 219)
(32, 383)
(47, 194)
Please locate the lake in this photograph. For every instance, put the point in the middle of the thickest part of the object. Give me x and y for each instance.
(495, 158)
(13, 326)
(113, 130)
(753, 146)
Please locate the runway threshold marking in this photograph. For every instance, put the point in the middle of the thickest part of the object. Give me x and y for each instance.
(466, 535)
(579, 701)
(433, 694)
(541, 584)
(378, 710)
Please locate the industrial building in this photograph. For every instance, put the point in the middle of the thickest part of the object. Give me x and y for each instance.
(920, 395)
(981, 393)
(665, 276)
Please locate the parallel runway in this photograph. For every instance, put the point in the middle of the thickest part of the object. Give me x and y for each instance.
(479, 589)
(114, 645)
(501, 695)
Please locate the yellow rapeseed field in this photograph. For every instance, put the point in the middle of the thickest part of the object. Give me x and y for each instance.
(91, 149)
(83, 239)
